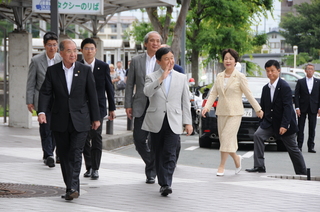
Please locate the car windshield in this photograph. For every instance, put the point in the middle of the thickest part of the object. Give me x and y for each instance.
(256, 85)
(302, 74)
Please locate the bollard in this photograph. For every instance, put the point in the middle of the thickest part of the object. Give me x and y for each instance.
(308, 174)
(129, 124)
(109, 127)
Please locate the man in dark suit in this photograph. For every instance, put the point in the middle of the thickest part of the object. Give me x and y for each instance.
(307, 102)
(71, 88)
(93, 150)
(136, 101)
(279, 120)
(36, 75)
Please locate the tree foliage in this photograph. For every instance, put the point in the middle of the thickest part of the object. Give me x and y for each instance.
(302, 29)
(302, 58)
(216, 25)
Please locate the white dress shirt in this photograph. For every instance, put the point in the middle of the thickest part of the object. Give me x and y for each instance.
(69, 75)
(167, 82)
(309, 84)
(150, 63)
(273, 88)
(50, 61)
(91, 65)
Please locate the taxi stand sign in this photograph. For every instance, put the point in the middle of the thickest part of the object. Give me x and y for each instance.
(89, 7)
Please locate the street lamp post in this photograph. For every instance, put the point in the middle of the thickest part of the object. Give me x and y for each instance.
(295, 51)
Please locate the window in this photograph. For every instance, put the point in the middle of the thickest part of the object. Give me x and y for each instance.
(113, 28)
(124, 26)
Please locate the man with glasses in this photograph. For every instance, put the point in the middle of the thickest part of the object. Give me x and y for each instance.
(93, 150)
(307, 103)
(71, 87)
(37, 71)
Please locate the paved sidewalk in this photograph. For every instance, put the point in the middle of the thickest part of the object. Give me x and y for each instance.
(122, 187)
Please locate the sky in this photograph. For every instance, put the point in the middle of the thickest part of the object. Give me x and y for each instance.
(266, 24)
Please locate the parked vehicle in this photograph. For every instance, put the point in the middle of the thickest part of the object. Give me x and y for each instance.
(208, 132)
(291, 79)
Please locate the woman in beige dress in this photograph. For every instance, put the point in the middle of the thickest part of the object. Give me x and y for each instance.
(229, 87)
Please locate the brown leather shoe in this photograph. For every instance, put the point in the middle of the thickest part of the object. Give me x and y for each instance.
(71, 195)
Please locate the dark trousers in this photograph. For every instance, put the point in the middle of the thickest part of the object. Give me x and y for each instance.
(47, 140)
(70, 146)
(290, 143)
(164, 145)
(93, 148)
(143, 146)
(312, 118)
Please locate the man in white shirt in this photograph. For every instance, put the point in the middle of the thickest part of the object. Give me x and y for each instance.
(37, 71)
(307, 103)
(136, 105)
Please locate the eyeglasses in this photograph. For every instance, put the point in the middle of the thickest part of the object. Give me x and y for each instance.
(89, 48)
(52, 45)
(69, 51)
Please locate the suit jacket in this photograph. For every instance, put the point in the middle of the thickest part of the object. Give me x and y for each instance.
(101, 73)
(176, 104)
(37, 71)
(230, 97)
(81, 105)
(280, 112)
(303, 99)
(134, 96)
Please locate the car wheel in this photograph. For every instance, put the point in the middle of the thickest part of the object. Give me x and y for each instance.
(205, 143)
(280, 146)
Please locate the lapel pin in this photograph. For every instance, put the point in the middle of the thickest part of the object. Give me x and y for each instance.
(76, 75)
(98, 68)
(78, 71)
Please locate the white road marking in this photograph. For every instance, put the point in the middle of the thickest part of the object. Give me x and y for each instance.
(192, 148)
(248, 154)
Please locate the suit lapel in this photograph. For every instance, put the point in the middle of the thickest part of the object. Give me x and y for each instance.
(62, 77)
(44, 62)
(315, 85)
(56, 58)
(277, 90)
(143, 65)
(231, 79)
(75, 76)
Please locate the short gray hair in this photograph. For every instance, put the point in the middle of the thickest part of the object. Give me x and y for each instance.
(146, 37)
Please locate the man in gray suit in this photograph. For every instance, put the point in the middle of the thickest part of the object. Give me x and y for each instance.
(137, 103)
(168, 112)
(37, 71)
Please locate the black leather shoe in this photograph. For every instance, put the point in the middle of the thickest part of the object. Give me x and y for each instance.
(312, 151)
(257, 169)
(71, 195)
(50, 161)
(94, 175)
(87, 173)
(165, 190)
(150, 180)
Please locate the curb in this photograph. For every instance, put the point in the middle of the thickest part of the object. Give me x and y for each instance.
(111, 142)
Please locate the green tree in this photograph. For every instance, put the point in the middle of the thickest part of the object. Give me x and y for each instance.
(216, 25)
(302, 29)
(302, 58)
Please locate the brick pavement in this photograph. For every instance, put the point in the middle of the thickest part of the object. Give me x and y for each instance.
(121, 186)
